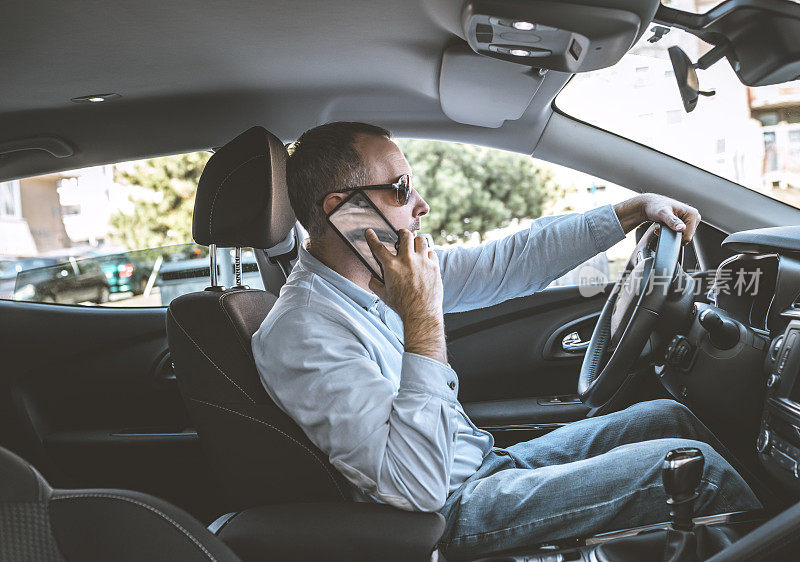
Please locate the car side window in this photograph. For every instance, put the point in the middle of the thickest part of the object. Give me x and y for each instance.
(116, 235)
(479, 194)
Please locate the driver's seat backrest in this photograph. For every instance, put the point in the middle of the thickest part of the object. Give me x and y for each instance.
(259, 454)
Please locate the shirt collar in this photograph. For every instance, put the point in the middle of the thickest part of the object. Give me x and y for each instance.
(362, 298)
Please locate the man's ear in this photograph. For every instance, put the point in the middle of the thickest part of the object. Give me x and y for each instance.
(330, 202)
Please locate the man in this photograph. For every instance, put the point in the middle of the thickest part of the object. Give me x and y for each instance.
(362, 366)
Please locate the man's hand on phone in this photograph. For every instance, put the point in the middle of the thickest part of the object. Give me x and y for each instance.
(412, 287)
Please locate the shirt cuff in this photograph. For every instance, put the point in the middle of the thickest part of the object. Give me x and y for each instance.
(605, 227)
(423, 374)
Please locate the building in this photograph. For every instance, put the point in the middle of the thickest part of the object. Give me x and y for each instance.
(61, 213)
(777, 108)
(30, 217)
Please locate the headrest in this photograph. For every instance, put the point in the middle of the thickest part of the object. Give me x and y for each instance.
(19, 481)
(241, 196)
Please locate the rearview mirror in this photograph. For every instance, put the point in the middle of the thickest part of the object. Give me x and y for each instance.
(686, 75)
(757, 37)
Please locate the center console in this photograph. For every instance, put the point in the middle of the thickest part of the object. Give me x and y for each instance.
(778, 442)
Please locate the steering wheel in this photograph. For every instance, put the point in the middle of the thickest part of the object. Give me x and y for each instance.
(629, 315)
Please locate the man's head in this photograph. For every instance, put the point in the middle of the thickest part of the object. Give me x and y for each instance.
(337, 156)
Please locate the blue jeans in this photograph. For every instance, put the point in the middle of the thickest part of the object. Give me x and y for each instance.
(594, 475)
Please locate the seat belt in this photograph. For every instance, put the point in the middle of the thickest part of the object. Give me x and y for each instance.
(285, 252)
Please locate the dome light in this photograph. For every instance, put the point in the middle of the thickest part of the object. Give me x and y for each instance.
(523, 25)
(520, 52)
(95, 98)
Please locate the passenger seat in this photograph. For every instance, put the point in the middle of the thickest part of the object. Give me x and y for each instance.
(40, 524)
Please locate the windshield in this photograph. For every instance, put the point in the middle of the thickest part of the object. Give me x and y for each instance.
(747, 135)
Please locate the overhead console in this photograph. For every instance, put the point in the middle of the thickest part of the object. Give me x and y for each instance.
(575, 36)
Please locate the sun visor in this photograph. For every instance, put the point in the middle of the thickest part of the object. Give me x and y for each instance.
(477, 90)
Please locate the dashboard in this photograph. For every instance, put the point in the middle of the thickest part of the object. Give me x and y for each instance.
(759, 290)
(737, 362)
(771, 256)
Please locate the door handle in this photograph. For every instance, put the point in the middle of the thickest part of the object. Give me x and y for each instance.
(164, 369)
(572, 339)
(572, 343)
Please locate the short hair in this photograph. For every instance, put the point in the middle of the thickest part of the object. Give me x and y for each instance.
(321, 161)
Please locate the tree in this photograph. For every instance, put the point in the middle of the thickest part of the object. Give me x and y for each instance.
(163, 216)
(470, 189)
(473, 189)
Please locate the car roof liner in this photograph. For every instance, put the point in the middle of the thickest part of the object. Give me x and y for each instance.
(186, 75)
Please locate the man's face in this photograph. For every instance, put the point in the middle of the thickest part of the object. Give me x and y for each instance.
(386, 163)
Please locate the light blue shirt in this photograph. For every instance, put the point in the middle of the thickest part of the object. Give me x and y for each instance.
(331, 356)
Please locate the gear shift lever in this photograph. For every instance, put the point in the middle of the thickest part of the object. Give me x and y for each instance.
(681, 474)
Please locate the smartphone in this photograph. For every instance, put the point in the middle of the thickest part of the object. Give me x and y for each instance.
(352, 217)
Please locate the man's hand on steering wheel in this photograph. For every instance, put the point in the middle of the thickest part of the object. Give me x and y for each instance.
(657, 208)
(637, 304)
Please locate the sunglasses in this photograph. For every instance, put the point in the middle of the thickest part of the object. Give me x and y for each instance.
(402, 189)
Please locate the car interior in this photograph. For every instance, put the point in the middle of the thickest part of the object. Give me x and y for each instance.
(146, 434)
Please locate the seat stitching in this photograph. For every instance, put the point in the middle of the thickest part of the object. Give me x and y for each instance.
(50, 525)
(209, 359)
(146, 506)
(309, 451)
(247, 352)
(219, 188)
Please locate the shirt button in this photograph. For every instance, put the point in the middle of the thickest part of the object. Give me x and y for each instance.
(452, 385)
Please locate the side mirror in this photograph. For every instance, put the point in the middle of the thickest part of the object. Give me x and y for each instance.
(686, 76)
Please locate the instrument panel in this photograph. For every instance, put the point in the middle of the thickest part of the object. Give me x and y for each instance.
(761, 291)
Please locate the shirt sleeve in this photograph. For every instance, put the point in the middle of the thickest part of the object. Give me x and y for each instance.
(526, 261)
(397, 445)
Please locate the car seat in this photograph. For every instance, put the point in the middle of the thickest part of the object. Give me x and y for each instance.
(259, 454)
(42, 524)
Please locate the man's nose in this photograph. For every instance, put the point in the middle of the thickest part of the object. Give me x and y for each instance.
(420, 206)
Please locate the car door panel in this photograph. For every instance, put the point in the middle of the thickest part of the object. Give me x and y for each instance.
(91, 398)
(506, 361)
(541, 410)
(92, 401)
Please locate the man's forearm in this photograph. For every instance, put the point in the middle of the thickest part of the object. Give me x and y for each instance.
(424, 335)
(630, 213)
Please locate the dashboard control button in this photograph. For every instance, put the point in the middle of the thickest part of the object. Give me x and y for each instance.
(679, 353)
(775, 348)
(786, 350)
(783, 460)
(773, 380)
(763, 441)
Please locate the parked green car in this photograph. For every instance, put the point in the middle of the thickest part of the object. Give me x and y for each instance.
(125, 272)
